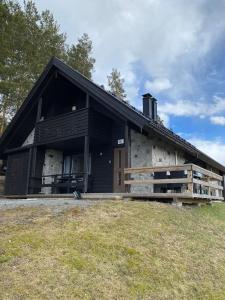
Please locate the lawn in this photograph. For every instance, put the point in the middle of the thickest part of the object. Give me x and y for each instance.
(113, 250)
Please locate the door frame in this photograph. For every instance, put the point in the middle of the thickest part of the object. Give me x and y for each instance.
(119, 163)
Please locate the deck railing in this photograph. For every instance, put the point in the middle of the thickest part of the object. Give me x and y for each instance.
(180, 181)
(63, 181)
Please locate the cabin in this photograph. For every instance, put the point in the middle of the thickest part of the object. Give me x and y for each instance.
(71, 134)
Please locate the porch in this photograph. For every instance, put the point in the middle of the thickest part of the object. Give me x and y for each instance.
(84, 164)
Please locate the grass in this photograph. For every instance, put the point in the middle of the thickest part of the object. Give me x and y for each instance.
(113, 250)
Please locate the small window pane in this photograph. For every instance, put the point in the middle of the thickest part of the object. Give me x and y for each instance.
(66, 165)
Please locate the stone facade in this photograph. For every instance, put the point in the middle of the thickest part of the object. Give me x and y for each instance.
(52, 165)
(148, 151)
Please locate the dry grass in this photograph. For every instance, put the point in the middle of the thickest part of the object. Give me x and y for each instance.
(113, 250)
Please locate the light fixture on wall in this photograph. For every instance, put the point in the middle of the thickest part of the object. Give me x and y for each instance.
(168, 173)
(74, 108)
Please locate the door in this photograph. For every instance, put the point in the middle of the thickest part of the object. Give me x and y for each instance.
(119, 165)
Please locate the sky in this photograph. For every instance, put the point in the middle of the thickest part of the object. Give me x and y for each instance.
(173, 49)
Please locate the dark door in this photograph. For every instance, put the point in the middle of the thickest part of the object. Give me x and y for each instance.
(119, 165)
(16, 174)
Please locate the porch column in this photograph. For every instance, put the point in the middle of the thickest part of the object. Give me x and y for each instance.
(86, 162)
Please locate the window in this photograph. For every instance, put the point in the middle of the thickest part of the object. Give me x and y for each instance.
(67, 165)
(75, 164)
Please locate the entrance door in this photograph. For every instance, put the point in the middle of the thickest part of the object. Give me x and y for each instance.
(119, 165)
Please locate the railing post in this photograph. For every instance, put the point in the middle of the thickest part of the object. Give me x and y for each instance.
(223, 186)
(190, 185)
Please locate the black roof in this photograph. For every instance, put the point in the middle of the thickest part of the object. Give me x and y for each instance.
(126, 110)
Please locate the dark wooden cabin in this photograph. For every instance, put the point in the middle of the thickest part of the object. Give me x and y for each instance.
(72, 134)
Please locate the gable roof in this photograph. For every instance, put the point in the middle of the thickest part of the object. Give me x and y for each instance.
(126, 110)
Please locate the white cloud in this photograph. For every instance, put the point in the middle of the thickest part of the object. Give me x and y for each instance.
(199, 108)
(218, 120)
(158, 85)
(214, 148)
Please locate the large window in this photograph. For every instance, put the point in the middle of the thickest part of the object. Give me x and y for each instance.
(75, 164)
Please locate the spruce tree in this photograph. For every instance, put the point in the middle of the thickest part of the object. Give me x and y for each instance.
(115, 83)
(28, 39)
(79, 56)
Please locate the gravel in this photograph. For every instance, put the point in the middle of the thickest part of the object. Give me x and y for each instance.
(60, 204)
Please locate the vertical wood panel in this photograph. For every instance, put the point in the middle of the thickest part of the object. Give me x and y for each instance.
(17, 173)
(86, 162)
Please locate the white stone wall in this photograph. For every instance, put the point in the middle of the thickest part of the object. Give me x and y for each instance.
(52, 165)
(164, 154)
(147, 152)
(140, 156)
(30, 139)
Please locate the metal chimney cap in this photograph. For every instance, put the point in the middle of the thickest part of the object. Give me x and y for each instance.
(147, 95)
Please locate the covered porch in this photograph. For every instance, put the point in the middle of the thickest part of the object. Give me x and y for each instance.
(84, 164)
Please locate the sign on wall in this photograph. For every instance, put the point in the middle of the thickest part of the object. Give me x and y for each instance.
(120, 141)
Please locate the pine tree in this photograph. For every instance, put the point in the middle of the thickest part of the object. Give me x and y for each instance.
(115, 83)
(28, 40)
(79, 56)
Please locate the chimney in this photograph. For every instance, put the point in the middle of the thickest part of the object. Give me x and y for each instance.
(150, 106)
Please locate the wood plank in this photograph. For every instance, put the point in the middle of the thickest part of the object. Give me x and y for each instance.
(157, 169)
(158, 195)
(207, 172)
(205, 183)
(158, 181)
(208, 197)
(190, 176)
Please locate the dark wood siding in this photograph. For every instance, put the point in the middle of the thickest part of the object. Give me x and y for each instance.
(118, 133)
(100, 127)
(16, 174)
(102, 169)
(62, 127)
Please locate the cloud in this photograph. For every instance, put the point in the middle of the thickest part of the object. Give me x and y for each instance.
(213, 148)
(218, 120)
(199, 108)
(158, 85)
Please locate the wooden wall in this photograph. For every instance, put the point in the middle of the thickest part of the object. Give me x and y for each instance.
(62, 127)
(100, 126)
(16, 174)
(102, 169)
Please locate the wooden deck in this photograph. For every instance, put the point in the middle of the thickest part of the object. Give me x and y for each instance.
(185, 183)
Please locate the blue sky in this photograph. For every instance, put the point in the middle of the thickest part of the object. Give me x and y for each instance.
(173, 49)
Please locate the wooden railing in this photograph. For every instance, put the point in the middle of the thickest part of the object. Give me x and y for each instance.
(181, 181)
(62, 127)
(65, 181)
